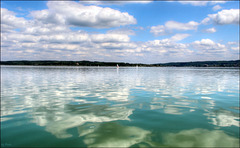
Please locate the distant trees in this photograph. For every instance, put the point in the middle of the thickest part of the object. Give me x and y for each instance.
(235, 63)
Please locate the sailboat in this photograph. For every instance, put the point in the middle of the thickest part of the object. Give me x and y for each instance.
(117, 66)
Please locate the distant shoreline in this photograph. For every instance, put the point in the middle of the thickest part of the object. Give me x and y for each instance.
(233, 63)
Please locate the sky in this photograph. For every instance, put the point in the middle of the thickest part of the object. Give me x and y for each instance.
(120, 31)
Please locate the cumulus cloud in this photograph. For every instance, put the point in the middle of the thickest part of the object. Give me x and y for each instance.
(116, 2)
(119, 46)
(209, 50)
(166, 43)
(210, 30)
(65, 38)
(195, 3)
(235, 48)
(39, 29)
(21, 38)
(66, 44)
(105, 47)
(166, 47)
(213, 2)
(217, 7)
(76, 14)
(121, 31)
(43, 38)
(158, 30)
(100, 38)
(173, 25)
(233, 43)
(208, 46)
(201, 3)
(9, 21)
(223, 17)
(179, 37)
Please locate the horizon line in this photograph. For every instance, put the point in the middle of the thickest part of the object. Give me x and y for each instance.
(118, 62)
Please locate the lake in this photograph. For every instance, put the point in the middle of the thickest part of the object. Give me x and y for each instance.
(64, 106)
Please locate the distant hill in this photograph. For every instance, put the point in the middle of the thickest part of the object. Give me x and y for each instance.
(68, 63)
(235, 63)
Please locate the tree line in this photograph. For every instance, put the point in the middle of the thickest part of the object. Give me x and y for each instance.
(234, 63)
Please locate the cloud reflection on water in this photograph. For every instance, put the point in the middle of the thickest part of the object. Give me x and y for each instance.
(200, 138)
(112, 134)
(91, 99)
(78, 115)
(223, 118)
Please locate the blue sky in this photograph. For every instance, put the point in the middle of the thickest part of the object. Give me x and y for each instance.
(134, 31)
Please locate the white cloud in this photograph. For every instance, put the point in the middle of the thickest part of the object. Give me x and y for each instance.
(76, 14)
(119, 46)
(210, 30)
(9, 21)
(213, 2)
(166, 47)
(65, 38)
(158, 30)
(121, 31)
(72, 45)
(100, 38)
(204, 42)
(179, 37)
(208, 46)
(45, 29)
(233, 43)
(173, 25)
(206, 21)
(43, 38)
(195, 3)
(217, 7)
(115, 2)
(201, 3)
(140, 1)
(223, 17)
(19, 38)
(235, 48)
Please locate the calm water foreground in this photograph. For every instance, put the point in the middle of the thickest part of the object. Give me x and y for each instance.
(125, 107)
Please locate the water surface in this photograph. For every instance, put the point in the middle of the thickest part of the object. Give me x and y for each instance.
(125, 107)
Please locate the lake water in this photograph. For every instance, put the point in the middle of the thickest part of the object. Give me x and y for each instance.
(125, 107)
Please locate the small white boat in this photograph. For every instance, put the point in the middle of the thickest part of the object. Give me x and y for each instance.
(117, 66)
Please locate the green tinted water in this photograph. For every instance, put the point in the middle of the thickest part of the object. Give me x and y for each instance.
(125, 107)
